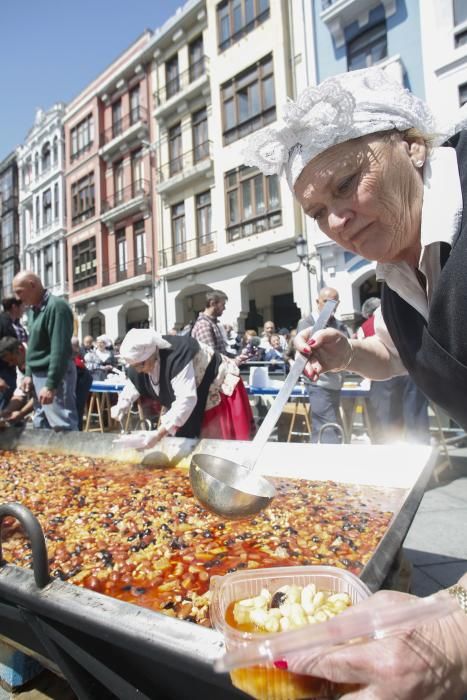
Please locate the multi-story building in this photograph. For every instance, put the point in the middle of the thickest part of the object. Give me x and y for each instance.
(9, 228)
(41, 163)
(353, 34)
(222, 71)
(446, 67)
(109, 175)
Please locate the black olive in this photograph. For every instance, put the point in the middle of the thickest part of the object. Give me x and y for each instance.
(127, 588)
(277, 599)
(161, 509)
(131, 538)
(170, 605)
(232, 569)
(138, 591)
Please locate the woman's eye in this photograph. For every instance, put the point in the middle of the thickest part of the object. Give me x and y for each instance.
(346, 184)
(317, 215)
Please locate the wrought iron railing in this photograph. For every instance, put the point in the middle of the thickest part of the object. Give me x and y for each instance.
(188, 250)
(126, 269)
(185, 160)
(182, 80)
(126, 194)
(134, 116)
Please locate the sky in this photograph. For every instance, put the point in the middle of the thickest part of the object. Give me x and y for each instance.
(51, 49)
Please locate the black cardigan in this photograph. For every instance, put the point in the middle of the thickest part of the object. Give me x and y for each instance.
(435, 353)
(172, 361)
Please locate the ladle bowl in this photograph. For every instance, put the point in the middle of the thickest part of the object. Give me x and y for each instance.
(227, 488)
(234, 490)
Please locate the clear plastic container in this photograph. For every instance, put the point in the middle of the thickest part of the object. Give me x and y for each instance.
(264, 681)
(252, 657)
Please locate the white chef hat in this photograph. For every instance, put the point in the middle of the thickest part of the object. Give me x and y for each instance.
(140, 343)
(341, 108)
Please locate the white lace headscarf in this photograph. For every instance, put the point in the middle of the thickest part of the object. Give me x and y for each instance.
(140, 343)
(341, 108)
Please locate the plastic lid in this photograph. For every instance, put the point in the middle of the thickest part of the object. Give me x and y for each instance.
(371, 622)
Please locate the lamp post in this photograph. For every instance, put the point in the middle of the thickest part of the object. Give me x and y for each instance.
(301, 248)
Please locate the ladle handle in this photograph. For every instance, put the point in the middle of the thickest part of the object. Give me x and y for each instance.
(255, 448)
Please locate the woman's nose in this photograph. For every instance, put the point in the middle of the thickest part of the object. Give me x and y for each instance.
(337, 220)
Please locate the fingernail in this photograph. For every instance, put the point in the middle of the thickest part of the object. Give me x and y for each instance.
(306, 350)
(281, 663)
(312, 341)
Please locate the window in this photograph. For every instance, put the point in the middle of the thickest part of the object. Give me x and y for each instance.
(134, 105)
(55, 151)
(172, 80)
(58, 270)
(56, 202)
(200, 135)
(47, 207)
(84, 264)
(235, 18)
(82, 199)
(459, 8)
(117, 124)
(137, 182)
(96, 326)
(121, 254)
(46, 157)
(9, 270)
(8, 231)
(178, 229)
(462, 94)
(36, 165)
(368, 47)
(196, 58)
(82, 137)
(248, 101)
(203, 217)
(175, 149)
(118, 182)
(139, 235)
(38, 214)
(48, 266)
(252, 202)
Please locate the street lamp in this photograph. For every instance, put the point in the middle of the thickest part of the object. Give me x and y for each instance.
(301, 248)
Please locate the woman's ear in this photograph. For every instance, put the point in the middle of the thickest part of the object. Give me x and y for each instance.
(417, 152)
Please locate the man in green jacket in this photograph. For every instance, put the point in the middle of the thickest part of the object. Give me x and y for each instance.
(49, 365)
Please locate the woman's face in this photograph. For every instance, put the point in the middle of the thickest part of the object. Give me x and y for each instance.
(366, 195)
(147, 366)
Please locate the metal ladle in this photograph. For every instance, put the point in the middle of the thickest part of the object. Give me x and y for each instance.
(234, 490)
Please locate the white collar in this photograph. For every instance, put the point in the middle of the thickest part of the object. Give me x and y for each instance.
(441, 219)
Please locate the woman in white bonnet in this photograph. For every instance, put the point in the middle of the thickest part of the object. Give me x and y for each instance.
(201, 391)
(366, 160)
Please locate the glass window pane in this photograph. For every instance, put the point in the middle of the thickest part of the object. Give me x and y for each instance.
(460, 12)
(263, 5)
(260, 204)
(249, 11)
(246, 199)
(229, 114)
(269, 99)
(237, 15)
(255, 101)
(233, 207)
(273, 187)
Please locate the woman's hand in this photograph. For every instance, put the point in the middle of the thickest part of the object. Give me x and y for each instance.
(328, 350)
(429, 662)
(152, 437)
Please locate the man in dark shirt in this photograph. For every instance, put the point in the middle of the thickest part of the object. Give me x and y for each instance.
(10, 327)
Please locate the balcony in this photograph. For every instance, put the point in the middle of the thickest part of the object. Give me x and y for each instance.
(183, 86)
(128, 271)
(133, 126)
(125, 202)
(183, 169)
(188, 250)
(338, 14)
